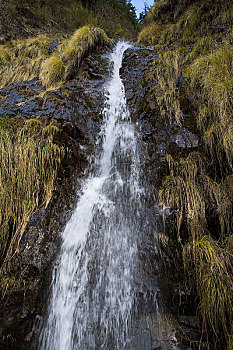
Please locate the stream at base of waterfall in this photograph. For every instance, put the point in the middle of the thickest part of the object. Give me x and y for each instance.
(100, 297)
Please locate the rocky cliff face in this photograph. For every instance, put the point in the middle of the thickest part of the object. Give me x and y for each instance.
(158, 139)
(76, 108)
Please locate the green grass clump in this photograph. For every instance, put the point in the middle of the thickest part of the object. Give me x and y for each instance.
(189, 24)
(202, 47)
(29, 160)
(165, 71)
(181, 191)
(213, 272)
(211, 85)
(21, 59)
(189, 191)
(52, 70)
(67, 58)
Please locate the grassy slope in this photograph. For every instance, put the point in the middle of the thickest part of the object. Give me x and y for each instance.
(25, 59)
(43, 23)
(194, 41)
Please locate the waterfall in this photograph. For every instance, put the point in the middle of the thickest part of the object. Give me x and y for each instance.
(93, 287)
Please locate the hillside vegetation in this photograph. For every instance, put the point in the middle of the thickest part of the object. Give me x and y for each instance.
(26, 59)
(194, 88)
(27, 18)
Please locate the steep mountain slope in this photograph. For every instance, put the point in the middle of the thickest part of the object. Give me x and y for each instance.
(191, 86)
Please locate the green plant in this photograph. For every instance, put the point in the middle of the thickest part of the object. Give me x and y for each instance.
(165, 71)
(214, 282)
(151, 34)
(188, 190)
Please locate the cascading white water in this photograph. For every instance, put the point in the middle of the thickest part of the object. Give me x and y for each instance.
(93, 297)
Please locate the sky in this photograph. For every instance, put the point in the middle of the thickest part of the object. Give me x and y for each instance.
(139, 4)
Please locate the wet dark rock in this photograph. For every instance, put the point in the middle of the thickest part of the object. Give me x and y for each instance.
(180, 81)
(135, 62)
(79, 102)
(53, 45)
(185, 139)
(159, 137)
(144, 127)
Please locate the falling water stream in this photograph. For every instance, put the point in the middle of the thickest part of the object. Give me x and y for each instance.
(93, 295)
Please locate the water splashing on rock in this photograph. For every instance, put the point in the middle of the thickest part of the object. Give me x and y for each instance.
(93, 297)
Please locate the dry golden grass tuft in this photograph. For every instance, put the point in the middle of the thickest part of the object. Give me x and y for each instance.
(165, 71)
(211, 84)
(188, 191)
(21, 59)
(214, 282)
(67, 58)
(29, 58)
(29, 160)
